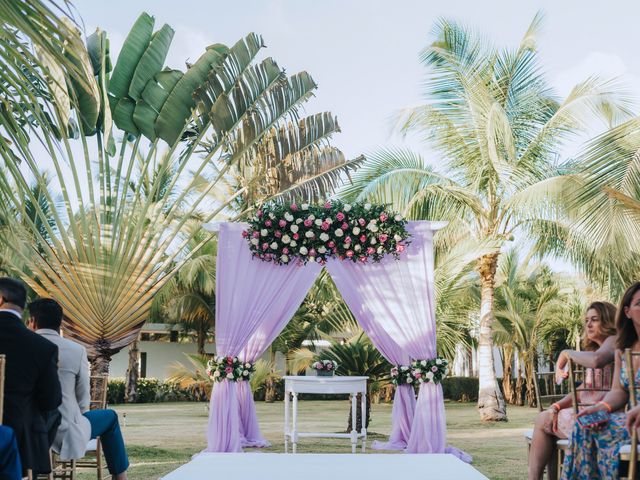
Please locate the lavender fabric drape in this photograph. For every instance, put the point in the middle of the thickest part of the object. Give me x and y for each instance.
(254, 300)
(396, 297)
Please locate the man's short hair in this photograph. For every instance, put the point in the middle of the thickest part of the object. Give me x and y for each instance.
(46, 312)
(13, 291)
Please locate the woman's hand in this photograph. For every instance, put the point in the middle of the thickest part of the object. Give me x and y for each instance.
(633, 418)
(592, 409)
(561, 373)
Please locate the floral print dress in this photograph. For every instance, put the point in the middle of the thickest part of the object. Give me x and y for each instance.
(594, 452)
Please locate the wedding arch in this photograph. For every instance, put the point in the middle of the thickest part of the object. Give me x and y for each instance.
(392, 299)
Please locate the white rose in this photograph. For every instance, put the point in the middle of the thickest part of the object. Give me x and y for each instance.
(357, 248)
(421, 380)
(247, 365)
(288, 217)
(404, 368)
(398, 218)
(311, 217)
(305, 206)
(409, 380)
(346, 245)
(245, 373)
(373, 240)
(397, 238)
(374, 221)
(255, 241)
(293, 243)
(438, 361)
(294, 228)
(309, 234)
(429, 375)
(367, 206)
(235, 359)
(272, 216)
(329, 220)
(312, 259)
(264, 232)
(380, 249)
(318, 222)
(339, 232)
(298, 220)
(321, 249)
(216, 374)
(230, 376)
(356, 230)
(274, 245)
(346, 207)
(324, 237)
(372, 227)
(303, 250)
(423, 363)
(284, 259)
(286, 239)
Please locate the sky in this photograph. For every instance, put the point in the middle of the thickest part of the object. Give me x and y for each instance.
(364, 55)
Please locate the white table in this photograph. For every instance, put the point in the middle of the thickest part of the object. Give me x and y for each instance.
(293, 385)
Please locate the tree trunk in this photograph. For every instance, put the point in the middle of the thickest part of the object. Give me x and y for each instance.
(507, 381)
(270, 386)
(202, 338)
(133, 372)
(530, 378)
(490, 402)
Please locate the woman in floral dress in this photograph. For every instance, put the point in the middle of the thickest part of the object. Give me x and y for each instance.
(594, 451)
(598, 344)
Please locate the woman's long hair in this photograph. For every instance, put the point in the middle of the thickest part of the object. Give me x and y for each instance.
(607, 313)
(626, 331)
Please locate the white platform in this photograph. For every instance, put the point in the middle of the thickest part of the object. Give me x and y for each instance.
(276, 466)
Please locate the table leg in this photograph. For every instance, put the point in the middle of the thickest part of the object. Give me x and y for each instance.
(354, 432)
(363, 432)
(286, 422)
(294, 429)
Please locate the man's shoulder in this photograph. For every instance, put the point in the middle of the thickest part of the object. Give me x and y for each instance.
(38, 341)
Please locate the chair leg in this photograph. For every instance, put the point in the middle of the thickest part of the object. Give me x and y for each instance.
(99, 458)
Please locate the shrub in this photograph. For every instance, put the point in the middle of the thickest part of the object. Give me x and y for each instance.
(115, 391)
(460, 389)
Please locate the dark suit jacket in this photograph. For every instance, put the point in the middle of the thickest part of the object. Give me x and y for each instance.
(32, 389)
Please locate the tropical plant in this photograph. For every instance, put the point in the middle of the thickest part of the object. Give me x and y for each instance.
(496, 125)
(192, 378)
(114, 243)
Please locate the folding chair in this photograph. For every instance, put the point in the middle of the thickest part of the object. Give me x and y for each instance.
(629, 453)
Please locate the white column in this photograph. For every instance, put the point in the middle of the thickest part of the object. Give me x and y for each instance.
(286, 421)
(363, 405)
(354, 432)
(294, 426)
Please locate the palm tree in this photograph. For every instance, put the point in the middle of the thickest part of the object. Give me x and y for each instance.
(114, 242)
(495, 124)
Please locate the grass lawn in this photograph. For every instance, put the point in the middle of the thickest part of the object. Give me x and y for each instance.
(161, 437)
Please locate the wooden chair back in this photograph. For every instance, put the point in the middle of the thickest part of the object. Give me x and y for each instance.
(578, 377)
(99, 385)
(3, 362)
(547, 391)
(631, 375)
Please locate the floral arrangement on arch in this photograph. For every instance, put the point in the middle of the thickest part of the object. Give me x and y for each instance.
(358, 232)
(229, 368)
(328, 365)
(420, 371)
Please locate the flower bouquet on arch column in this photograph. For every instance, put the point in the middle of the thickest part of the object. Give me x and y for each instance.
(324, 368)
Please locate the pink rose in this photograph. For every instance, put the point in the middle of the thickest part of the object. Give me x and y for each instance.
(277, 233)
(312, 252)
(371, 251)
(245, 234)
(383, 217)
(383, 237)
(296, 236)
(361, 222)
(294, 207)
(325, 226)
(434, 369)
(394, 372)
(230, 360)
(349, 253)
(341, 257)
(265, 246)
(417, 375)
(322, 261)
(327, 205)
(285, 251)
(228, 370)
(340, 216)
(308, 222)
(259, 214)
(363, 259)
(399, 248)
(363, 238)
(268, 223)
(282, 223)
(329, 366)
(345, 226)
(331, 244)
(347, 240)
(255, 234)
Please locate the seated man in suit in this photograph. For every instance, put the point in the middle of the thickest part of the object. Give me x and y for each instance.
(10, 468)
(79, 424)
(32, 388)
